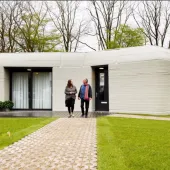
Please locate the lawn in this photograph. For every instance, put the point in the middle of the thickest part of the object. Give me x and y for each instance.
(165, 116)
(133, 144)
(18, 128)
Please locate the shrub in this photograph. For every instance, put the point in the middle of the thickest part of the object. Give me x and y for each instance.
(1, 105)
(8, 104)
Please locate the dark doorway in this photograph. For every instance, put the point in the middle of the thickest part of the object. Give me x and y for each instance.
(102, 95)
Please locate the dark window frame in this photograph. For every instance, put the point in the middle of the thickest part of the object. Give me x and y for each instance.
(30, 82)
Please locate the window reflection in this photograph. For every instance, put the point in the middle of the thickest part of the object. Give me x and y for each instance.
(101, 86)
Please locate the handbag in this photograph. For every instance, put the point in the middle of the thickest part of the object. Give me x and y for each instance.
(66, 102)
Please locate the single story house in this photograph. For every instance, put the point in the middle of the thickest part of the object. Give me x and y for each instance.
(129, 80)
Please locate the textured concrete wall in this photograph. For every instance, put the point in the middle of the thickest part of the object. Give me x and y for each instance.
(140, 87)
(4, 84)
(164, 83)
(60, 78)
(139, 83)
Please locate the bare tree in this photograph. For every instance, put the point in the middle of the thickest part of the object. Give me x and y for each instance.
(24, 27)
(28, 24)
(2, 33)
(107, 16)
(8, 10)
(71, 29)
(154, 17)
(31, 28)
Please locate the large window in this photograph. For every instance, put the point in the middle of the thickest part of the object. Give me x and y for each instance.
(31, 89)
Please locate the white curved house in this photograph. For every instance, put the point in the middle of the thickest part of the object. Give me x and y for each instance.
(130, 80)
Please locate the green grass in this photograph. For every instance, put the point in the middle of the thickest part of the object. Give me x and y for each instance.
(133, 144)
(137, 114)
(19, 127)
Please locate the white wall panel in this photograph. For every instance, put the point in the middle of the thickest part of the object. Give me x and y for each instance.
(60, 78)
(139, 87)
(4, 84)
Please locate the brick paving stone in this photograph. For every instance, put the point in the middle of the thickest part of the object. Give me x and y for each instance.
(65, 144)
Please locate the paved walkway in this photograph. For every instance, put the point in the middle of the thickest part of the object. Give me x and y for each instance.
(61, 145)
(140, 117)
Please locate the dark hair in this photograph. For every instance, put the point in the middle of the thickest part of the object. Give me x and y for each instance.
(69, 84)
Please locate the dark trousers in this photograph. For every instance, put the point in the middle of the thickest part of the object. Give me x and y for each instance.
(70, 104)
(86, 106)
(71, 109)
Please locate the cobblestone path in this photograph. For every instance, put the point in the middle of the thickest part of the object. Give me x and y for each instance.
(65, 144)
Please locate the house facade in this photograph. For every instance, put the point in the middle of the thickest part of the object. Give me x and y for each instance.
(130, 80)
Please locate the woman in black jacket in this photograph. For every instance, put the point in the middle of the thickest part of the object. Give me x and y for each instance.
(70, 96)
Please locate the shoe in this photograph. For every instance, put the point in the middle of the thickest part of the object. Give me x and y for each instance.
(72, 115)
(82, 116)
(86, 116)
(69, 116)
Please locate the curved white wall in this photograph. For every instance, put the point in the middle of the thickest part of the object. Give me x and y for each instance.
(139, 78)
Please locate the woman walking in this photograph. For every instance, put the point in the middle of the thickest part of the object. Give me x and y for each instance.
(70, 92)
